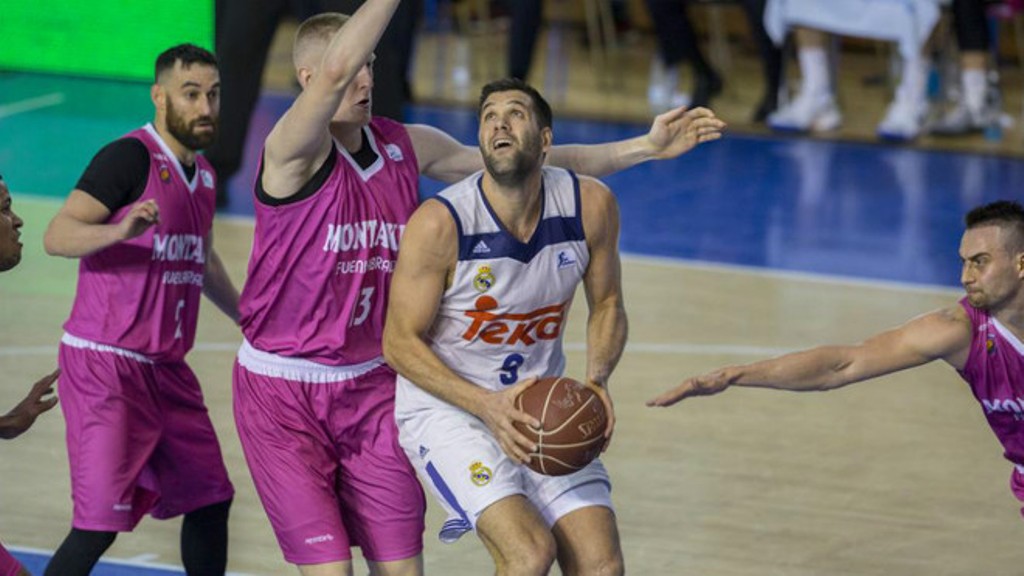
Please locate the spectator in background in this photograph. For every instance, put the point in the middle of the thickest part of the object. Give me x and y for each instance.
(677, 43)
(972, 109)
(909, 23)
(245, 30)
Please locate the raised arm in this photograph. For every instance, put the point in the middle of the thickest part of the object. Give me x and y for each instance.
(301, 140)
(673, 133)
(942, 334)
(428, 253)
(80, 227)
(606, 323)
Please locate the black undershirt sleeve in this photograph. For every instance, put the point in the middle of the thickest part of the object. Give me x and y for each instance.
(117, 174)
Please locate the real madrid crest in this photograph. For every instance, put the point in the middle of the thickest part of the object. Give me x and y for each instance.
(479, 474)
(484, 279)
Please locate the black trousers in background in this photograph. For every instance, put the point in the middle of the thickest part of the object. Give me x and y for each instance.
(677, 40)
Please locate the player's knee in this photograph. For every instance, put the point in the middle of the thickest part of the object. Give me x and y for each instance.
(534, 553)
(605, 565)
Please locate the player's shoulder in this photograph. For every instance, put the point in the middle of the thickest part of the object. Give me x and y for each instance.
(595, 193)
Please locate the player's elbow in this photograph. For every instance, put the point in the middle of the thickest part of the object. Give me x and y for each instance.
(51, 242)
(392, 347)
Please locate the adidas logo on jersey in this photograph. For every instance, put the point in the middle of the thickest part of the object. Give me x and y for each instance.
(481, 248)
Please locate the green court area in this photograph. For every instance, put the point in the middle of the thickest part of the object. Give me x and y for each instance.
(51, 126)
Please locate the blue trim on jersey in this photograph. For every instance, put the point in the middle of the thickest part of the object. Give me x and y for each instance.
(455, 215)
(452, 528)
(502, 244)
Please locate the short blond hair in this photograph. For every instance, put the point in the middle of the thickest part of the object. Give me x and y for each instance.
(315, 32)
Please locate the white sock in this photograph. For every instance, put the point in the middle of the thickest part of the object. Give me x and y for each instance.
(815, 73)
(914, 81)
(974, 85)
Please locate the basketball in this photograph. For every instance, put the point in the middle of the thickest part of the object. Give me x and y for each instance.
(572, 422)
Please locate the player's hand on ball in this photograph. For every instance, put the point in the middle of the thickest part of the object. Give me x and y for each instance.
(139, 219)
(606, 399)
(500, 412)
(679, 130)
(706, 385)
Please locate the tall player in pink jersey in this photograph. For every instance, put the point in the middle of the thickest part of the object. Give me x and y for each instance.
(139, 436)
(982, 337)
(313, 397)
(22, 416)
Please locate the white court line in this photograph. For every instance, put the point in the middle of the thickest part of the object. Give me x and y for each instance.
(138, 561)
(668, 348)
(30, 104)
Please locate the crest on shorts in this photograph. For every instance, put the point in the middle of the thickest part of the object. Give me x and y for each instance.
(165, 174)
(484, 279)
(479, 474)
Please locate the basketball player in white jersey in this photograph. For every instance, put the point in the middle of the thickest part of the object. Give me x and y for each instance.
(22, 416)
(483, 286)
(314, 400)
(140, 220)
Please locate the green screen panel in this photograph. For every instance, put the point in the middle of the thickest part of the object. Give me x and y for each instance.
(109, 38)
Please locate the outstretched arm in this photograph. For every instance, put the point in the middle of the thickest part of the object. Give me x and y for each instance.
(606, 323)
(80, 227)
(429, 246)
(22, 416)
(300, 141)
(942, 334)
(673, 133)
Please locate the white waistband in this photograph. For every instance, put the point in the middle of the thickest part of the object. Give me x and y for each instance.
(76, 342)
(299, 369)
(1020, 468)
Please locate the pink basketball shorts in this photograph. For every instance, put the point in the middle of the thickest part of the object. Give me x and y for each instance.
(326, 462)
(9, 566)
(139, 439)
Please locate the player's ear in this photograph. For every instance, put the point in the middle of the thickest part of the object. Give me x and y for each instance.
(159, 96)
(1019, 259)
(547, 137)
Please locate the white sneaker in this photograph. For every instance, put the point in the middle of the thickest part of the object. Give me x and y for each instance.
(959, 120)
(807, 113)
(903, 120)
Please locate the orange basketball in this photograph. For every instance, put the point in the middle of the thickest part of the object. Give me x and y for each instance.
(572, 422)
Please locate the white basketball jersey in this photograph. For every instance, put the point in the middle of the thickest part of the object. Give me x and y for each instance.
(502, 318)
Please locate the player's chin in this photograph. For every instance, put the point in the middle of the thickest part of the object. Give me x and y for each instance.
(11, 260)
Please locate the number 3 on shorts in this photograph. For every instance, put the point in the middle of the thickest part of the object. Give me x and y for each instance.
(511, 369)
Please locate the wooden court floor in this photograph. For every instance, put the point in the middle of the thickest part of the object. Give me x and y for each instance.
(900, 476)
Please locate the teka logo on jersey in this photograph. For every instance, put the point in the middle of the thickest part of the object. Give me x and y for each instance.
(178, 248)
(365, 234)
(511, 328)
(1013, 406)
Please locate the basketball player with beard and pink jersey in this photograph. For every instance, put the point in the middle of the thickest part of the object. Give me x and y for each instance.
(139, 436)
(982, 337)
(313, 397)
(22, 416)
(480, 296)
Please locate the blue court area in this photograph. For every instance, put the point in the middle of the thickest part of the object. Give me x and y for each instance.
(35, 563)
(812, 206)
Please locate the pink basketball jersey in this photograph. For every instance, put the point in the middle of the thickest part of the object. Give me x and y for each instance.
(143, 294)
(320, 270)
(994, 369)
